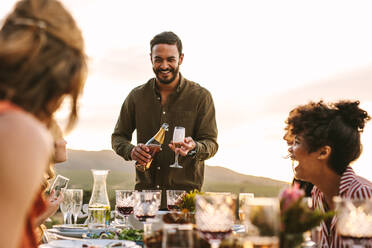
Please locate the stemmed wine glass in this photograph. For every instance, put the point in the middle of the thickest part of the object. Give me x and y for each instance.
(157, 195)
(173, 196)
(354, 221)
(124, 205)
(66, 205)
(145, 208)
(215, 216)
(77, 202)
(178, 136)
(262, 221)
(242, 200)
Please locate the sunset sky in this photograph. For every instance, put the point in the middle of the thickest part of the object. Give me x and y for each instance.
(259, 59)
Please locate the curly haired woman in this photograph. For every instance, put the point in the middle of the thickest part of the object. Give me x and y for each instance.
(325, 140)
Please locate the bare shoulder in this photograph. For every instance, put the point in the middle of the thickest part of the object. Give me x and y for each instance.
(25, 150)
(24, 142)
(20, 126)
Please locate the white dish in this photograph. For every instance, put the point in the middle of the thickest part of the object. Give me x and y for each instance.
(75, 233)
(79, 243)
(71, 227)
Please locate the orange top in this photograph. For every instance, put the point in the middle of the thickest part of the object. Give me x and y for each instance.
(29, 239)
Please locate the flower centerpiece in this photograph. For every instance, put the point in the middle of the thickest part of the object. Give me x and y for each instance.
(187, 201)
(297, 216)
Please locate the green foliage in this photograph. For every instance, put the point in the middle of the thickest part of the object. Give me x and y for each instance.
(260, 219)
(299, 218)
(126, 234)
(188, 200)
(131, 234)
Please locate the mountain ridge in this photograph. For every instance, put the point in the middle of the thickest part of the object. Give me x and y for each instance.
(216, 178)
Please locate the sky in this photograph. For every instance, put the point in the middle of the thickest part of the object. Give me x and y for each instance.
(259, 59)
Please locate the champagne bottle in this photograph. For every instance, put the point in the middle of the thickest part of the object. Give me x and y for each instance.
(154, 144)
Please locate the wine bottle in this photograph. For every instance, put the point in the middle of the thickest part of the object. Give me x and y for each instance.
(154, 144)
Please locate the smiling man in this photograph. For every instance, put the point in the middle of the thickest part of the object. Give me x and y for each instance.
(167, 98)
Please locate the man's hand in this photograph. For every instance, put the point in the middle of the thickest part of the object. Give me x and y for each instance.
(140, 153)
(184, 147)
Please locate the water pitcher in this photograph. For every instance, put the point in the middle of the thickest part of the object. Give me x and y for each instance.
(99, 204)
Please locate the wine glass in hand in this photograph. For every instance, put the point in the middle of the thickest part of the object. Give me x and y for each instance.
(178, 136)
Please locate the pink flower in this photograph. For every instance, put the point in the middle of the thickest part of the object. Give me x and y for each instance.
(290, 195)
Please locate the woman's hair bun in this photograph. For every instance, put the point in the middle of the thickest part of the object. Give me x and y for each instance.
(352, 114)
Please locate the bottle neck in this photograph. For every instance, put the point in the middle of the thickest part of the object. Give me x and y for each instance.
(159, 136)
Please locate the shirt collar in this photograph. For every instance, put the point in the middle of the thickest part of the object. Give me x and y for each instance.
(346, 179)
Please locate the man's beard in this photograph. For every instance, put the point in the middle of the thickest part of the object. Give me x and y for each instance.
(171, 70)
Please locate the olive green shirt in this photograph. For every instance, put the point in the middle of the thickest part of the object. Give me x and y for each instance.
(190, 106)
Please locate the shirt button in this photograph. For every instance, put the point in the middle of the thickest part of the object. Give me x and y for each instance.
(158, 98)
(157, 186)
(158, 167)
(163, 112)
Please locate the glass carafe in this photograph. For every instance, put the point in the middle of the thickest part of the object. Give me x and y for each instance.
(99, 204)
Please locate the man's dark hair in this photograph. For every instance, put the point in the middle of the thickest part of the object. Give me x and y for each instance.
(169, 38)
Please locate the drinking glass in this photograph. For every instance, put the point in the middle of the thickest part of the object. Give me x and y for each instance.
(77, 202)
(59, 183)
(177, 236)
(157, 195)
(262, 221)
(145, 208)
(242, 200)
(178, 136)
(66, 205)
(215, 216)
(354, 221)
(124, 205)
(174, 196)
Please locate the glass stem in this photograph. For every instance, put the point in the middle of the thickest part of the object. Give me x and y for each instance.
(69, 218)
(176, 159)
(125, 220)
(147, 229)
(75, 218)
(64, 218)
(215, 243)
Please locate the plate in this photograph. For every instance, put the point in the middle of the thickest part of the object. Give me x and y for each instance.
(79, 243)
(71, 227)
(73, 233)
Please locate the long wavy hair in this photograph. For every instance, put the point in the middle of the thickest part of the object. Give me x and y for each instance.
(42, 59)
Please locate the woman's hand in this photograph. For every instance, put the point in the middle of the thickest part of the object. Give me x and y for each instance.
(53, 205)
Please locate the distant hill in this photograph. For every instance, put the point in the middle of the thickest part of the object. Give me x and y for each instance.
(122, 175)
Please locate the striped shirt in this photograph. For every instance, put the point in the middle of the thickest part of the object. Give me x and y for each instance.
(352, 187)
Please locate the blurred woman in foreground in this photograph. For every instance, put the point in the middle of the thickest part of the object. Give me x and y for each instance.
(53, 200)
(325, 140)
(42, 60)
